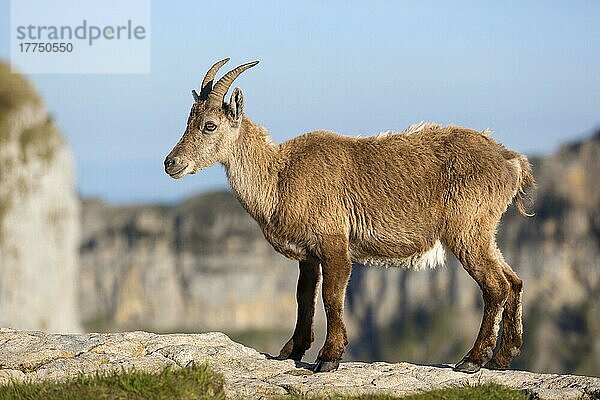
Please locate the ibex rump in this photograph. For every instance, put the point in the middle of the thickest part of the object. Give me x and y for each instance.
(394, 199)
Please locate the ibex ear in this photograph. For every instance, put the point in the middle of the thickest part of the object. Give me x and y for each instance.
(236, 104)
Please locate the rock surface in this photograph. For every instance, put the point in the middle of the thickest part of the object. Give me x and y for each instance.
(39, 214)
(36, 356)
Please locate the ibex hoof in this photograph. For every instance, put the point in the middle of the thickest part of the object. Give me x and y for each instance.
(326, 366)
(467, 367)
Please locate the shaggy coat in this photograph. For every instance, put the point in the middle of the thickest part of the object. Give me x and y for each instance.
(395, 199)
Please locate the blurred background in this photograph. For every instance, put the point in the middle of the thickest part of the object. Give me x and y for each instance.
(94, 236)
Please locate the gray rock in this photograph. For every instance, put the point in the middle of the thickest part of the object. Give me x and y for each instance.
(27, 356)
(39, 214)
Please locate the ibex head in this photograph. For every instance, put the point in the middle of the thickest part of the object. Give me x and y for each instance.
(213, 124)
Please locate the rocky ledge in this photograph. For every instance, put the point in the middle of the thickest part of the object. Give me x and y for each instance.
(36, 356)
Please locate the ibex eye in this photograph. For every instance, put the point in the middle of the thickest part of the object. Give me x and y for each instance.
(209, 126)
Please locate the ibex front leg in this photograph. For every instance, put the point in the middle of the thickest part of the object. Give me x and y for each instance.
(336, 266)
(303, 336)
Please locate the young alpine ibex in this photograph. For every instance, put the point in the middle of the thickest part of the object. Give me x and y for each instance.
(395, 199)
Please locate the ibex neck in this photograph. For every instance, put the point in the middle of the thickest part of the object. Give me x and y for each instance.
(252, 171)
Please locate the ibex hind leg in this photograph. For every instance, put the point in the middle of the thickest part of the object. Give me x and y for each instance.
(481, 262)
(512, 325)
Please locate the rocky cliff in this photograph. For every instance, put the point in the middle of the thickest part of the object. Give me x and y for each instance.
(204, 264)
(39, 214)
(200, 265)
(35, 356)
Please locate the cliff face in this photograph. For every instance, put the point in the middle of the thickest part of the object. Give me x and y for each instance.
(200, 265)
(39, 214)
(205, 265)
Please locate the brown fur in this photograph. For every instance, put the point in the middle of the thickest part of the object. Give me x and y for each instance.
(332, 200)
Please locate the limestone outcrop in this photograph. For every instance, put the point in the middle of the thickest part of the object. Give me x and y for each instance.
(36, 356)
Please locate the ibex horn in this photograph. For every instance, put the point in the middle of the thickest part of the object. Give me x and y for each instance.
(217, 95)
(207, 82)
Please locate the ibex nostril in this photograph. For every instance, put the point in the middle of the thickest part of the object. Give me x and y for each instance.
(175, 166)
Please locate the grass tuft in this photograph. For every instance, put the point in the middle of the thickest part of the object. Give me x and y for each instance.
(193, 383)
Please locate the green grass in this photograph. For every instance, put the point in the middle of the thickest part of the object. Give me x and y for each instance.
(200, 382)
(187, 383)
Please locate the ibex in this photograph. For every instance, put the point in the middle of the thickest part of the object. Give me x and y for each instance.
(395, 199)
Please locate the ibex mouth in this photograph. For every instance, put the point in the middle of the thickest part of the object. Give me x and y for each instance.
(179, 173)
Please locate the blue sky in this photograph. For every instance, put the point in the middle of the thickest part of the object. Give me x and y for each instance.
(528, 70)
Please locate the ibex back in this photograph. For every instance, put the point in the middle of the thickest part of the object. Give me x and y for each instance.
(395, 199)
